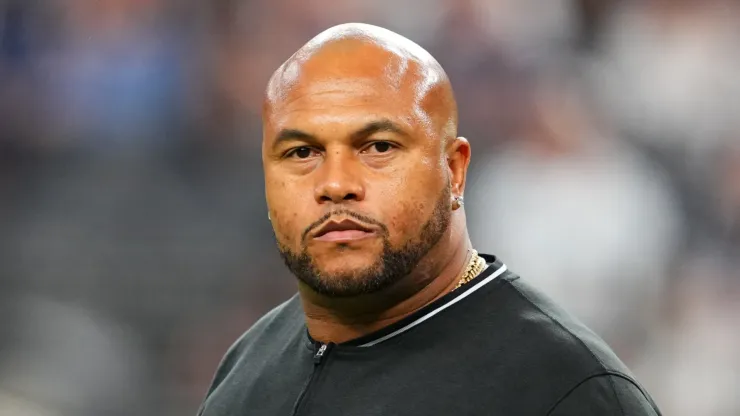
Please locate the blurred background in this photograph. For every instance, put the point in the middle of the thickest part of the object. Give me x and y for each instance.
(134, 240)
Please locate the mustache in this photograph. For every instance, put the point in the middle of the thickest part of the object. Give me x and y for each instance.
(344, 212)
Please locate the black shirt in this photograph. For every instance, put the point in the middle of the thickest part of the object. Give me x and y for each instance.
(495, 346)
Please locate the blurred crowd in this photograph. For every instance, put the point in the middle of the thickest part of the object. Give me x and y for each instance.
(134, 240)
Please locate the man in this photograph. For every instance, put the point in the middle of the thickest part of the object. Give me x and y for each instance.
(396, 313)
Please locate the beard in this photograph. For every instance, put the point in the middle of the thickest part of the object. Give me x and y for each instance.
(393, 263)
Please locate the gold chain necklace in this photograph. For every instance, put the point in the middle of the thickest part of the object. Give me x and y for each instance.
(475, 266)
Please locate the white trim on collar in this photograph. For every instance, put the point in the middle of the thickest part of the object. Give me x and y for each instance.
(452, 301)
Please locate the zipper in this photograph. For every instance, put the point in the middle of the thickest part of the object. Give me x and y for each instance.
(319, 354)
(319, 357)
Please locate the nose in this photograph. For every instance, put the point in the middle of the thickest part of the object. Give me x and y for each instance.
(339, 179)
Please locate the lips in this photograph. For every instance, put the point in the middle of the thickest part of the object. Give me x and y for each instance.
(345, 230)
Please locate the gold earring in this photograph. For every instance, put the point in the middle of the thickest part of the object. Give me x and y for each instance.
(457, 202)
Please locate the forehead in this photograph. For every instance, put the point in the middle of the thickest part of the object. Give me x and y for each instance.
(346, 101)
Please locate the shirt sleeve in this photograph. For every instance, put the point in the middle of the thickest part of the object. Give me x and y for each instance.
(606, 395)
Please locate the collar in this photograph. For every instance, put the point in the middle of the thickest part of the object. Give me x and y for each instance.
(495, 269)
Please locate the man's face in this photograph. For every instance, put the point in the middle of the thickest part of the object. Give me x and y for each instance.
(356, 182)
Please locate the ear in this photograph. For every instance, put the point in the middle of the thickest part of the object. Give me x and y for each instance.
(458, 159)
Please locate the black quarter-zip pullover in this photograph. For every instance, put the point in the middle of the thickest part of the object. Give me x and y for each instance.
(496, 346)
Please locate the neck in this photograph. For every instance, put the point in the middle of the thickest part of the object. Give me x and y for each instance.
(341, 320)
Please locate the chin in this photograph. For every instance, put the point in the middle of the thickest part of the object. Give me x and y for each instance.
(345, 262)
(351, 254)
(345, 275)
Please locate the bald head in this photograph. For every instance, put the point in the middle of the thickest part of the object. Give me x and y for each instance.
(360, 127)
(356, 53)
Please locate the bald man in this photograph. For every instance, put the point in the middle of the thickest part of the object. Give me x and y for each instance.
(396, 313)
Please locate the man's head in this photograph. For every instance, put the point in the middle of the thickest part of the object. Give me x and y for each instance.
(361, 159)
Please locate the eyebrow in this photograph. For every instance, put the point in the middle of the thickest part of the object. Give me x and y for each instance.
(382, 125)
(287, 135)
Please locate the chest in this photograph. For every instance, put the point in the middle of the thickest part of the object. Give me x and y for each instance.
(394, 384)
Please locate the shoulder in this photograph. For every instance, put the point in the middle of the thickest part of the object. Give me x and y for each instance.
(556, 334)
(281, 322)
(605, 394)
(578, 369)
(276, 327)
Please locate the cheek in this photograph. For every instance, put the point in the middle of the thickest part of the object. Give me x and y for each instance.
(409, 200)
(285, 207)
(406, 219)
(286, 226)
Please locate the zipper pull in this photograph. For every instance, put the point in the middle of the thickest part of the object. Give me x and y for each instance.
(319, 354)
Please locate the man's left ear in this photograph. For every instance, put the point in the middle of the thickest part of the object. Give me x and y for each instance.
(458, 160)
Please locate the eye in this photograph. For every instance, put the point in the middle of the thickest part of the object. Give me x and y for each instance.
(303, 152)
(378, 147)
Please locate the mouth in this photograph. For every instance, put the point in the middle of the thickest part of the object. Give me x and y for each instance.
(343, 231)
